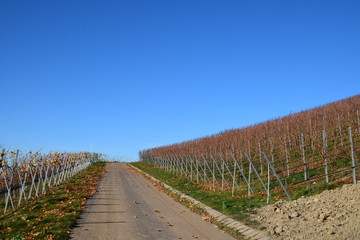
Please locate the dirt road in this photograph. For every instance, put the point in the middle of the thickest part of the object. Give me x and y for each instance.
(129, 207)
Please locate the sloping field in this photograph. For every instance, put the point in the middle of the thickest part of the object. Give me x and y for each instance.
(285, 158)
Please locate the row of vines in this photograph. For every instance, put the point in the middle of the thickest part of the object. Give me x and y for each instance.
(286, 156)
(24, 176)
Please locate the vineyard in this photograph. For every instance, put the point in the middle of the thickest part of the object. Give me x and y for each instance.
(30, 175)
(283, 158)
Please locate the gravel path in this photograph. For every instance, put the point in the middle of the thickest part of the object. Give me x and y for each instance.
(333, 214)
(129, 207)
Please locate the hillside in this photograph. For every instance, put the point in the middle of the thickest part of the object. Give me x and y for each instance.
(287, 157)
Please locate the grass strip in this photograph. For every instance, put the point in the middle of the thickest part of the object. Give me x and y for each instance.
(54, 214)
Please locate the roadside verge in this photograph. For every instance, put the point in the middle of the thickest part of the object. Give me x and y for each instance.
(53, 215)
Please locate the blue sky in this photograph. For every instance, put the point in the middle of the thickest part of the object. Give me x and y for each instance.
(117, 77)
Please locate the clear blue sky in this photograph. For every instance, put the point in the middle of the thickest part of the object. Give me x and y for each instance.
(117, 77)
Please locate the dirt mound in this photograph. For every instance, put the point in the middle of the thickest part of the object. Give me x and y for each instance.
(332, 214)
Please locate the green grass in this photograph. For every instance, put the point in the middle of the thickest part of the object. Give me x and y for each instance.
(55, 213)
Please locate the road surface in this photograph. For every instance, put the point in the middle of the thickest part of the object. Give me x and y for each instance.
(129, 207)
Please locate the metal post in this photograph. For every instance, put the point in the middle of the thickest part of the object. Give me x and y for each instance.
(213, 173)
(234, 180)
(277, 177)
(268, 184)
(249, 178)
(222, 174)
(340, 130)
(272, 149)
(204, 168)
(325, 158)
(8, 187)
(303, 155)
(311, 140)
(181, 165)
(178, 164)
(251, 165)
(358, 120)
(353, 165)
(171, 164)
(242, 173)
(191, 168)
(241, 160)
(32, 181)
(228, 169)
(218, 168)
(208, 166)
(197, 169)
(23, 184)
(260, 159)
(286, 158)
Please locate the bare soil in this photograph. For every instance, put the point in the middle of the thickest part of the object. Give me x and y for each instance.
(332, 214)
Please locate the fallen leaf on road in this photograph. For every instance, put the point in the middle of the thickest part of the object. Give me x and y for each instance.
(193, 236)
(207, 218)
(159, 230)
(215, 226)
(157, 211)
(135, 202)
(85, 229)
